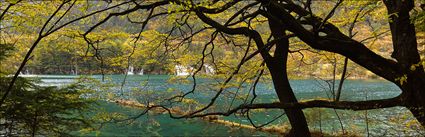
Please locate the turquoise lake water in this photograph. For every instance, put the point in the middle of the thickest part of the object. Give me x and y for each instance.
(382, 122)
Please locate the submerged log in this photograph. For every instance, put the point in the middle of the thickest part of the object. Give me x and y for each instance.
(277, 130)
(280, 130)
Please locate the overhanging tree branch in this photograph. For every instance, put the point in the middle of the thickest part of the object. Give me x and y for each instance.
(335, 41)
(348, 105)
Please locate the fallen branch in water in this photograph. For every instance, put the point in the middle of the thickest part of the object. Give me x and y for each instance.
(281, 130)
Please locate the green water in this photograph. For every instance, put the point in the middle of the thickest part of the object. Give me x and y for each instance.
(382, 122)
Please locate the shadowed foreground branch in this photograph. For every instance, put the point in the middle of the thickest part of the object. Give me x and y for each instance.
(349, 105)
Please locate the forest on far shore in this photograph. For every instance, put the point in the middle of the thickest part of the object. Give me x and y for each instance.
(115, 49)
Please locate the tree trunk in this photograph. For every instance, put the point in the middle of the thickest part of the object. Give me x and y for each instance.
(283, 89)
(407, 55)
(277, 68)
(414, 97)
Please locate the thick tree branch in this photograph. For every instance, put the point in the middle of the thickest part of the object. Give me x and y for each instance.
(348, 105)
(334, 41)
(403, 32)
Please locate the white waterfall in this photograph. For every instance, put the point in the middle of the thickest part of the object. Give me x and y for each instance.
(209, 69)
(184, 71)
(181, 70)
(76, 69)
(130, 70)
(25, 73)
(141, 72)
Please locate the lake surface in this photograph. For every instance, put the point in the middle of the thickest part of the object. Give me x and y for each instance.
(383, 122)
